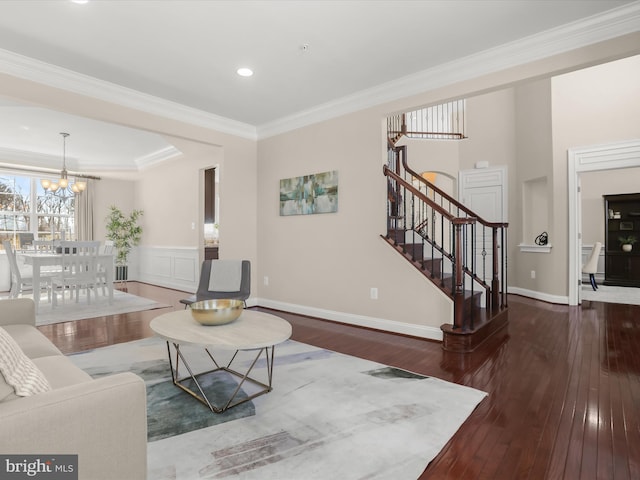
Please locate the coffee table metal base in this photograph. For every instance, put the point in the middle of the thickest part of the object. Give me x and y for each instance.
(200, 394)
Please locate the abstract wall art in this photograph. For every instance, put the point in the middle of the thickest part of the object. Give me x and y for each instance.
(309, 194)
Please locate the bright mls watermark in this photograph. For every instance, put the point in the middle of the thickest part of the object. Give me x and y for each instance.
(50, 467)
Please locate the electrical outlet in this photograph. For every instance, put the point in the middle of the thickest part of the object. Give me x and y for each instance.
(374, 293)
(533, 274)
(266, 280)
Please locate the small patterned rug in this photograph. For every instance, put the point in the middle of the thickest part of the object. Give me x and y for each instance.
(329, 416)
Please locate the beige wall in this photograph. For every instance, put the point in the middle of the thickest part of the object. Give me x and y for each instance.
(172, 195)
(491, 130)
(590, 107)
(332, 261)
(107, 192)
(167, 217)
(531, 203)
(436, 156)
(329, 262)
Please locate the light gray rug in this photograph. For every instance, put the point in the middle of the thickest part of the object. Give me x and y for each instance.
(610, 294)
(329, 416)
(70, 310)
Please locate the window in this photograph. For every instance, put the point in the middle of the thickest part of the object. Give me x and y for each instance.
(25, 207)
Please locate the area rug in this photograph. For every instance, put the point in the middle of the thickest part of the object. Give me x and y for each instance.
(70, 310)
(329, 416)
(610, 294)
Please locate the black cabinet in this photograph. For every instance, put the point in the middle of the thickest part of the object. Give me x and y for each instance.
(622, 220)
(210, 195)
(211, 253)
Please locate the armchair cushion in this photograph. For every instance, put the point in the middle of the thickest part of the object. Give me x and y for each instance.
(226, 276)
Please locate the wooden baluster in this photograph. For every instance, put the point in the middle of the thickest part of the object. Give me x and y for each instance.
(495, 281)
(458, 291)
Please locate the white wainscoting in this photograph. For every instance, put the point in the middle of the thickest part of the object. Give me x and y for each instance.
(171, 267)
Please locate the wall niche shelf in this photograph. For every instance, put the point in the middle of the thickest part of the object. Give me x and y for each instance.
(524, 247)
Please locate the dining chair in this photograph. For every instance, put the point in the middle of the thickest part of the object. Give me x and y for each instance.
(22, 275)
(222, 279)
(26, 240)
(46, 246)
(591, 266)
(107, 248)
(43, 245)
(79, 270)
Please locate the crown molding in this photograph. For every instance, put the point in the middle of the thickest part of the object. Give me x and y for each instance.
(157, 157)
(598, 28)
(47, 74)
(613, 23)
(12, 157)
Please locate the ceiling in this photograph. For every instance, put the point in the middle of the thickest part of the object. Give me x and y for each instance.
(305, 55)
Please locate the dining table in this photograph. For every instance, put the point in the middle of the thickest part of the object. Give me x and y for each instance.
(38, 260)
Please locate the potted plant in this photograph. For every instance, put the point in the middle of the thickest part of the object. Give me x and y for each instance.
(125, 232)
(627, 242)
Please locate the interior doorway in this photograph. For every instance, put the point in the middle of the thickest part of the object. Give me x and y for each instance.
(590, 159)
(211, 226)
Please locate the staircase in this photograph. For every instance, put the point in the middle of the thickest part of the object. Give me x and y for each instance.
(461, 253)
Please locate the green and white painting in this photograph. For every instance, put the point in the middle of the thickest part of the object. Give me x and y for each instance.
(316, 193)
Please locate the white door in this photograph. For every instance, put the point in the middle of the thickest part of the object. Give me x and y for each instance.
(484, 191)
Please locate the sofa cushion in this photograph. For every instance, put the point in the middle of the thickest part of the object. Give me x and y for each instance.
(60, 371)
(18, 370)
(7, 392)
(32, 342)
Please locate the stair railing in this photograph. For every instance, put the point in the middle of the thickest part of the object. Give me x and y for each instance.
(467, 253)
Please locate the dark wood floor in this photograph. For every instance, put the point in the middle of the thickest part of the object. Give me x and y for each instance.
(563, 384)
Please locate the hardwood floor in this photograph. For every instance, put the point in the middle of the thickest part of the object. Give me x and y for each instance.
(563, 384)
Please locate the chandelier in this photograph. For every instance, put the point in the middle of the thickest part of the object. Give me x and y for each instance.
(63, 182)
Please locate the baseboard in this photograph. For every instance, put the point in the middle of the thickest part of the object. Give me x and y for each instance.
(421, 331)
(545, 297)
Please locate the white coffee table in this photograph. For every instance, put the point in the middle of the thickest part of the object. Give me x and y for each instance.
(253, 331)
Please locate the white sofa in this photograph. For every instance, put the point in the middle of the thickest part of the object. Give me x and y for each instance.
(103, 421)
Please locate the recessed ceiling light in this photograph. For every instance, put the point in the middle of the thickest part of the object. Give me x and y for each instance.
(80, 2)
(245, 72)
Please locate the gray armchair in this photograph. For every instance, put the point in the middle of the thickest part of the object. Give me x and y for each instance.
(203, 292)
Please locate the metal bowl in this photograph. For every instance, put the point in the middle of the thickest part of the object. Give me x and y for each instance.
(216, 312)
